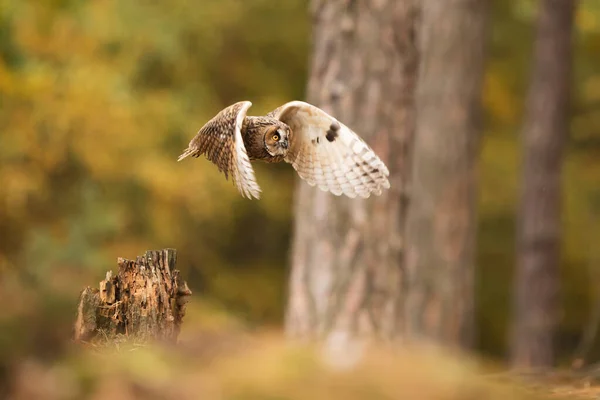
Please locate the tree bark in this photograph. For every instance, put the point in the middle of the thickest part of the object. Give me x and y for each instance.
(441, 221)
(346, 278)
(146, 300)
(539, 226)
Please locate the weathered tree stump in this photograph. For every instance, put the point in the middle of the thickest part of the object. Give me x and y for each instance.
(145, 301)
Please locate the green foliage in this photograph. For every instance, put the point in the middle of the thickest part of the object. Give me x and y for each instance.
(98, 100)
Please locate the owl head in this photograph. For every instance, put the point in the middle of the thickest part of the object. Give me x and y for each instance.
(277, 138)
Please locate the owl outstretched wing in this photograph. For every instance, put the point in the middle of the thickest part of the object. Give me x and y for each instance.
(328, 154)
(220, 140)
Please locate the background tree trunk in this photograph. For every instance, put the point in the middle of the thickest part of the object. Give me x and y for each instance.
(539, 229)
(441, 221)
(347, 256)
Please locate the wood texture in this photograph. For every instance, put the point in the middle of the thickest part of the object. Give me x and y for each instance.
(441, 220)
(346, 279)
(145, 300)
(539, 228)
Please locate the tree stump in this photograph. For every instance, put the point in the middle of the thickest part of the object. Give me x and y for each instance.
(145, 301)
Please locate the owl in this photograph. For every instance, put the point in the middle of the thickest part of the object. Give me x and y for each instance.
(323, 151)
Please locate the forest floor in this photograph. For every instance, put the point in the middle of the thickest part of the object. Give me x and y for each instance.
(558, 383)
(238, 366)
(219, 358)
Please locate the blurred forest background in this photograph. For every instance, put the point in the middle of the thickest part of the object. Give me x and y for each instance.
(99, 97)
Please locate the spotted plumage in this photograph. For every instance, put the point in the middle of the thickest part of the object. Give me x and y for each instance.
(323, 151)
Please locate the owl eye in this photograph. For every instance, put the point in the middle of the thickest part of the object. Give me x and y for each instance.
(275, 137)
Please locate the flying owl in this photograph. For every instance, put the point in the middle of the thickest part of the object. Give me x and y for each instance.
(323, 151)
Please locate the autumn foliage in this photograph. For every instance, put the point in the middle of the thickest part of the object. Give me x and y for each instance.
(99, 97)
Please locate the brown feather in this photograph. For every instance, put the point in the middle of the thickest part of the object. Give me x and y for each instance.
(216, 140)
(254, 132)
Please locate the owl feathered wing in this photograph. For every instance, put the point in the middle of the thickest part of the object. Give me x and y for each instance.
(327, 154)
(220, 140)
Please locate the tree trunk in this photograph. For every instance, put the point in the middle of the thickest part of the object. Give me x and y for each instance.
(441, 221)
(347, 254)
(146, 300)
(539, 229)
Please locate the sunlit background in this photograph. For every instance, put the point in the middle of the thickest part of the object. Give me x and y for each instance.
(99, 97)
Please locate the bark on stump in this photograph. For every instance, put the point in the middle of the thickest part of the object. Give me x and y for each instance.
(144, 301)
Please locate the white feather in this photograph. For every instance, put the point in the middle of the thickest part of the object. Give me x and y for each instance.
(345, 165)
(243, 174)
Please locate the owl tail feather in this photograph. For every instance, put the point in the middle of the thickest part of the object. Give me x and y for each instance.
(188, 152)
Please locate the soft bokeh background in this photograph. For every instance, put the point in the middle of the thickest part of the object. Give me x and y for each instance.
(99, 97)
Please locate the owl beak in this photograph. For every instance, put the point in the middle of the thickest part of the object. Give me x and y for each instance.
(285, 144)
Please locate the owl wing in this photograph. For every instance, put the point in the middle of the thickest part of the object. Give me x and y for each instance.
(328, 154)
(220, 140)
